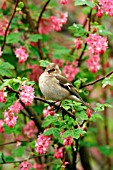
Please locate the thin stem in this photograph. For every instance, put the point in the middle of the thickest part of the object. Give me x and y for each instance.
(6, 31)
(41, 13)
(96, 81)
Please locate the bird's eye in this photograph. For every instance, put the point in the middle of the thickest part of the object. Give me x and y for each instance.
(50, 70)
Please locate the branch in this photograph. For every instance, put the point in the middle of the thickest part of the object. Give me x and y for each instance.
(6, 31)
(57, 107)
(95, 81)
(41, 13)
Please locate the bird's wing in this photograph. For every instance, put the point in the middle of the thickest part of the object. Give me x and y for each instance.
(67, 85)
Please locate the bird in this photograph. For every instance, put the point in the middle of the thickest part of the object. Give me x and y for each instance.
(55, 86)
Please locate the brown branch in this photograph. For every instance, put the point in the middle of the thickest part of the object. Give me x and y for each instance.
(6, 31)
(95, 81)
(41, 13)
(8, 143)
(57, 107)
(83, 51)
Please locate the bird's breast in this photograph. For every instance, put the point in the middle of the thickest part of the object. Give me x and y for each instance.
(51, 88)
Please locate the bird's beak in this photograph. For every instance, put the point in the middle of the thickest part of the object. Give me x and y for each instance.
(49, 70)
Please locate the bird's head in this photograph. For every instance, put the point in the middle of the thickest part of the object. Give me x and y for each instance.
(53, 68)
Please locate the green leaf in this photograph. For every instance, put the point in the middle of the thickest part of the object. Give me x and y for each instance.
(52, 131)
(44, 63)
(20, 4)
(34, 37)
(1, 157)
(48, 120)
(5, 68)
(78, 30)
(106, 150)
(84, 2)
(8, 159)
(15, 129)
(94, 117)
(82, 115)
(18, 152)
(13, 38)
(108, 81)
(74, 133)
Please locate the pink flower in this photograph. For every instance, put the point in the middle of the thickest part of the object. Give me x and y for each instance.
(96, 47)
(93, 63)
(1, 52)
(100, 12)
(16, 107)
(63, 17)
(55, 22)
(1, 126)
(63, 2)
(26, 94)
(3, 25)
(2, 96)
(35, 73)
(78, 43)
(68, 141)
(71, 70)
(58, 153)
(106, 6)
(4, 5)
(9, 118)
(42, 144)
(21, 54)
(45, 26)
(89, 112)
(25, 166)
(48, 111)
(30, 129)
(59, 62)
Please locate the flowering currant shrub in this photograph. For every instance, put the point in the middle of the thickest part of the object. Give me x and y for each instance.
(40, 134)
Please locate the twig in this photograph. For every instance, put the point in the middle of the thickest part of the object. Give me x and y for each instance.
(8, 143)
(83, 51)
(56, 106)
(41, 13)
(95, 81)
(6, 31)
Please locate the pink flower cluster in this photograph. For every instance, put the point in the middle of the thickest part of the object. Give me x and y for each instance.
(48, 111)
(42, 144)
(25, 166)
(2, 96)
(89, 111)
(78, 43)
(59, 62)
(70, 70)
(30, 129)
(9, 115)
(96, 44)
(68, 141)
(3, 25)
(93, 63)
(1, 126)
(106, 6)
(35, 73)
(52, 23)
(63, 2)
(26, 94)
(21, 54)
(58, 153)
